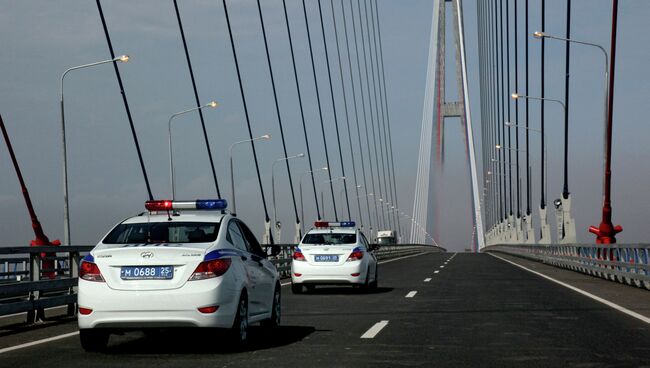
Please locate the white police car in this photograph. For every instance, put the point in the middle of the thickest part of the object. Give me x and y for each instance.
(180, 264)
(334, 253)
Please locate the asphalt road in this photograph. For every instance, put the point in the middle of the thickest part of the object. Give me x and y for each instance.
(474, 310)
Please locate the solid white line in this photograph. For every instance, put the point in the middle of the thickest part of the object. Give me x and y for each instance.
(411, 294)
(580, 291)
(285, 283)
(436, 271)
(23, 313)
(374, 330)
(427, 279)
(38, 342)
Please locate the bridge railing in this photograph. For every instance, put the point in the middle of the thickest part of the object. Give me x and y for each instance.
(625, 263)
(26, 285)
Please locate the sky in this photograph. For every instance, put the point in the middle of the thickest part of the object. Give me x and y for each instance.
(41, 39)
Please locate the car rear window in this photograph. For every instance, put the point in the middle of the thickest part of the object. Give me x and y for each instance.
(163, 232)
(331, 238)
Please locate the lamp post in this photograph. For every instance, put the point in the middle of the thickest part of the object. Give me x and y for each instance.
(302, 209)
(565, 194)
(66, 207)
(275, 211)
(232, 170)
(212, 104)
(322, 194)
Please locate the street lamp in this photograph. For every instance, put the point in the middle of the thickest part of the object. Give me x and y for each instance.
(302, 209)
(66, 210)
(232, 170)
(322, 195)
(212, 104)
(275, 212)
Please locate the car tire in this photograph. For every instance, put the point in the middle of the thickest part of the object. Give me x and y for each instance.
(276, 311)
(375, 283)
(93, 340)
(310, 287)
(296, 288)
(366, 285)
(239, 330)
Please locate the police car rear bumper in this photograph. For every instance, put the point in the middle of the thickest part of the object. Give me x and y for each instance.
(347, 273)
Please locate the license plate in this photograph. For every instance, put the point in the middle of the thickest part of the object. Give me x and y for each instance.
(147, 272)
(326, 258)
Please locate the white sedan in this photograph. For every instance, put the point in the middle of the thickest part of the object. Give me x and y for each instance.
(334, 253)
(180, 264)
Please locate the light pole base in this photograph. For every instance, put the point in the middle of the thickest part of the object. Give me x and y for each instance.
(528, 229)
(298, 236)
(569, 223)
(267, 233)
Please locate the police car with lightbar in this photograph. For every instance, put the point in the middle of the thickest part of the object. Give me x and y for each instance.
(179, 264)
(334, 253)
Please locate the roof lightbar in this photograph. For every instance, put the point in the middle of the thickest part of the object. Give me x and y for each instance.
(334, 224)
(199, 204)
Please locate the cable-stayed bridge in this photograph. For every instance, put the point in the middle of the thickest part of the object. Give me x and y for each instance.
(531, 287)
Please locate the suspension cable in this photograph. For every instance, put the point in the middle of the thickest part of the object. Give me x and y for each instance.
(248, 121)
(196, 98)
(390, 136)
(528, 173)
(277, 111)
(517, 113)
(336, 120)
(126, 103)
(507, 95)
(320, 110)
(383, 148)
(347, 118)
(356, 110)
(543, 166)
(363, 107)
(302, 112)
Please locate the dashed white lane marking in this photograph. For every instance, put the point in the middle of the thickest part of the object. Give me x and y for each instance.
(427, 279)
(436, 271)
(38, 342)
(580, 291)
(374, 330)
(443, 266)
(411, 294)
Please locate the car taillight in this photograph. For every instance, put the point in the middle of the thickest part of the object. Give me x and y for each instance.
(298, 256)
(210, 269)
(85, 311)
(90, 272)
(357, 254)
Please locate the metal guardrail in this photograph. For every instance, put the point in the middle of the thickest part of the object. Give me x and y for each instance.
(22, 290)
(625, 263)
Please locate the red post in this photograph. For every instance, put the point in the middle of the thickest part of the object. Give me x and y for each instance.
(41, 238)
(606, 231)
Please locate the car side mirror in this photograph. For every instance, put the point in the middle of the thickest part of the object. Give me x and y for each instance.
(273, 250)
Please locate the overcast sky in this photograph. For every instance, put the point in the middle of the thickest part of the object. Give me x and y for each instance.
(40, 39)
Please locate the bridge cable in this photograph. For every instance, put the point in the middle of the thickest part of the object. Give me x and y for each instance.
(356, 112)
(390, 136)
(379, 107)
(248, 121)
(336, 120)
(484, 122)
(508, 100)
(370, 108)
(543, 59)
(277, 111)
(565, 191)
(387, 171)
(126, 103)
(345, 105)
(376, 122)
(502, 95)
(196, 98)
(497, 94)
(363, 106)
(516, 16)
(302, 112)
(320, 111)
(528, 169)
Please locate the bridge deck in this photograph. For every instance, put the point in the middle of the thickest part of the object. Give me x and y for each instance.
(477, 310)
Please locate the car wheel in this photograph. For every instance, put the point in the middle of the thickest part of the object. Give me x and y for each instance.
(375, 283)
(296, 288)
(239, 330)
(310, 288)
(276, 310)
(93, 340)
(366, 285)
